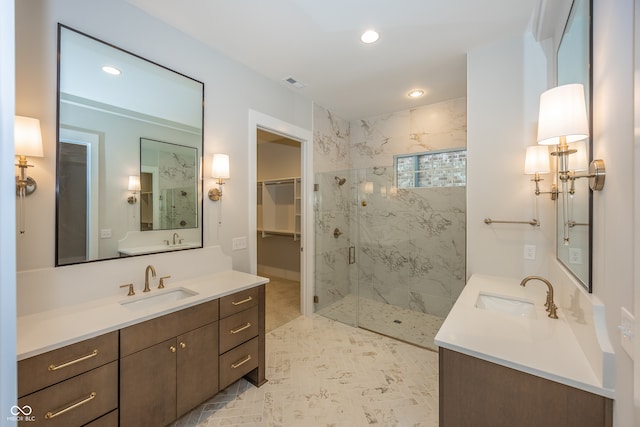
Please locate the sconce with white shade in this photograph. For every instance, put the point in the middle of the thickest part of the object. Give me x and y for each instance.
(219, 171)
(134, 187)
(537, 163)
(27, 142)
(563, 121)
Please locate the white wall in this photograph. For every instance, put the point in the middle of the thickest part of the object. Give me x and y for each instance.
(504, 82)
(613, 206)
(230, 91)
(7, 218)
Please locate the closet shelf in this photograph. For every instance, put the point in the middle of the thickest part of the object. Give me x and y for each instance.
(279, 207)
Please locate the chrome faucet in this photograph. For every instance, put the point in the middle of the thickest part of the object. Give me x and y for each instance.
(551, 306)
(146, 277)
(174, 237)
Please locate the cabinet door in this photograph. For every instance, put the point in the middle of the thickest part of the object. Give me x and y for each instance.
(148, 386)
(197, 366)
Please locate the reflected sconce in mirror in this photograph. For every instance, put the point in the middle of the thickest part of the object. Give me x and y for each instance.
(537, 163)
(219, 171)
(134, 187)
(563, 121)
(27, 142)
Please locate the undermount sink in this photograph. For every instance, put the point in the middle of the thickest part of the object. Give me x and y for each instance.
(506, 304)
(140, 303)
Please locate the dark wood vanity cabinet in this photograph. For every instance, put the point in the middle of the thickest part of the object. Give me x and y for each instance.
(150, 373)
(71, 386)
(242, 337)
(474, 392)
(168, 365)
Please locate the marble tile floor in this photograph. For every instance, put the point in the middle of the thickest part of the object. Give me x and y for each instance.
(407, 325)
(324, 373)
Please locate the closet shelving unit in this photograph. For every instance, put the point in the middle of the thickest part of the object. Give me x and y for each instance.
(279, 207)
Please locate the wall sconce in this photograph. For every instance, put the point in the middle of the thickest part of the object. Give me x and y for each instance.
(536, 163)
(220, 171)
(27, 141)
(563, 121)
(134, 187)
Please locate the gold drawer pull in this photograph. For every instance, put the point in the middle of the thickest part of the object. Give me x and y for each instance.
(236, 303)
(94, 353)
(238, 364)
(183, 345)
(50, 415)
(173, 349)
(240, 329)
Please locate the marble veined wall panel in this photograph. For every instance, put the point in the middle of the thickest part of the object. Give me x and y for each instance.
(375, 140)
(331, 135)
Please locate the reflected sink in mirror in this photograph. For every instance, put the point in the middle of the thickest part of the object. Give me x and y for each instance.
(144, 302)
(506, 304)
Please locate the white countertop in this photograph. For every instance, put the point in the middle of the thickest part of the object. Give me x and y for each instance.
(539, 346)
(41, 332)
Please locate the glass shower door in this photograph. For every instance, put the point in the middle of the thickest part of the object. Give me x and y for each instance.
(335, 276)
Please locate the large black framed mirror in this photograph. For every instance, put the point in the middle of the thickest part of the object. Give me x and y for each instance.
(574, 59)
(122, 119)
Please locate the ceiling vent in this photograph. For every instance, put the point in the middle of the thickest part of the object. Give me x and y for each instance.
(293, 82)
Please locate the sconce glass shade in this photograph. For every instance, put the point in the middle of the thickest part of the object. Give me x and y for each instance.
(220, 166)
(563, 113)
(579, 161)
(134, 183)
(27, 137)
(537, 160)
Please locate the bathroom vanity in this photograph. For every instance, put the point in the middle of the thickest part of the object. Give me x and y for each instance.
(504, 362)
(130, 362)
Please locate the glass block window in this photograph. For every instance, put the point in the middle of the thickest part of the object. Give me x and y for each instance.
(447, 168)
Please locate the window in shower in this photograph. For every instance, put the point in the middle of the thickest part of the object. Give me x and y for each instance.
(443, 168)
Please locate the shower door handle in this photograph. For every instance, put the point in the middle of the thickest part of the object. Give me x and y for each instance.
(352, 254)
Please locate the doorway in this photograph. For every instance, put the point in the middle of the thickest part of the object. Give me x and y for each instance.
(278, 224)
(263, 122)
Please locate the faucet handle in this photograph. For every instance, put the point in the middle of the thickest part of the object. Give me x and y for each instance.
(130, 285)
(161, 284)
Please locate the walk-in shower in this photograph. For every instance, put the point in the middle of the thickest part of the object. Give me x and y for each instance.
(399, 262)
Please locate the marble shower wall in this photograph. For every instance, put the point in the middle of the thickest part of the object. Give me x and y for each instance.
(375, 140)
(410, 242)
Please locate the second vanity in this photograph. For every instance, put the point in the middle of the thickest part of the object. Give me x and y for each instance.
(511, 364)
(145, 359)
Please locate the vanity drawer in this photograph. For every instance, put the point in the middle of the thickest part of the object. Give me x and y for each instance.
(238, 362)
(146, 334)
(239, 301)
(238, 328)
(76, 401)
(49, 368)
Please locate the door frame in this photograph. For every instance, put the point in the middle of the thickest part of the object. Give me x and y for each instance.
(257, 121)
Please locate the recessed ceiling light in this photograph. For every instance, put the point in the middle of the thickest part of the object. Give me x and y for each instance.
(111, 70)
(369, 36)
(416, 93)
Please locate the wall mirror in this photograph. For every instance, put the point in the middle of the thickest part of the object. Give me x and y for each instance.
(574, 66)
(121, 116)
